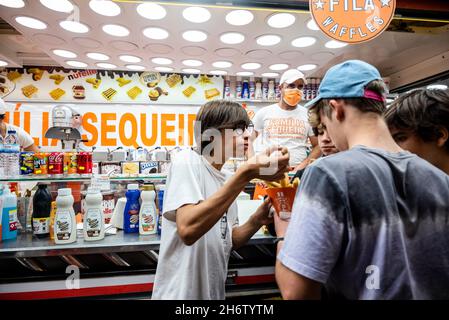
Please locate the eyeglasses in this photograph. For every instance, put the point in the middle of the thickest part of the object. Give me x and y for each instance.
(240, 131)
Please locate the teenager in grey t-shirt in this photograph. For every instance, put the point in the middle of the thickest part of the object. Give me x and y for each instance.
(373, 241)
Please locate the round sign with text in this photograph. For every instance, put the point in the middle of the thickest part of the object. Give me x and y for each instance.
(352, 21)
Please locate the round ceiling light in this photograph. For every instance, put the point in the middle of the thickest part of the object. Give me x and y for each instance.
(106, 65)
(192, 63)
(307, 67)
(279, 66)
(73, 26)
(251, 66)
(302, 42)
(270, 74)
(64, 53)
(164, 69)
(97, 56)
(312, 25)
(105, 7)
(218, 72)
(196, 14)
(333, 44)
(281, 20)
(155, 33)
(194, 36)
(60, 5)
(232, 38)
(12, 3)
(191, 70)
(268, 40)
(151, 11)
(31, 23)
(135, 67)
(245, 73)
(162, 61)
(130, 59)
(239, 17)
(3, 63)
(222, 64)
(76, 64)
(115, 30)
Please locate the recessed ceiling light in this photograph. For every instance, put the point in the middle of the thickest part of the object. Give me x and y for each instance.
(333, 44)
(64, 53)
(222, 64)
(281, 20)
(60, 5)
(307, 67)
(164, 69)
(232, 38)
(155, 33)
(73, 26)
(135, 67)
(115, 30)
(106, 65)
(239, 17)
(12, 3)
(279, 66)
(76, 64)
(162, 61)
(245, 73)
(312, 25)
(194, 36)
(151, 11)
(251, 66)
(268, 40)
(31, 23)
(97, 56)
(270, 74)
(3, 63)
(192, 63)
(130, 59)
(302, 42)
(191, 70)
(105, 7)
(196, 14)
(218, 72)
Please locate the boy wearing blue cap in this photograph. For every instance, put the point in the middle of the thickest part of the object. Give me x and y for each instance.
(372, 221)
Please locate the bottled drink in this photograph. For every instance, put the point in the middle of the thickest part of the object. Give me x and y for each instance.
(41, 212)
(132, 208)
(65, 222)
(9, 215)
(93, 228)
(148, 211)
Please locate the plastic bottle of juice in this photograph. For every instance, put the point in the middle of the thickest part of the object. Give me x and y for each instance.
(41, 212)
(9, 215)
(52, 220)
(93, 228)
(65, 223)
(132, 208)
(148, 211)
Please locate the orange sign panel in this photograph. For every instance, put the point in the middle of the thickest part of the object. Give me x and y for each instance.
(352, 21)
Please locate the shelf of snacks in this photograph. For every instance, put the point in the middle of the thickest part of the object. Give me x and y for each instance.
(40, 178)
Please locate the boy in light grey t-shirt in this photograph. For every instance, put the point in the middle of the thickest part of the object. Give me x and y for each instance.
(371, 222)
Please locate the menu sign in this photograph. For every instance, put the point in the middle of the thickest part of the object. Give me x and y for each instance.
(48, 84)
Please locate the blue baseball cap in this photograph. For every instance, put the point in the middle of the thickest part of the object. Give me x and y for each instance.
(348, 80)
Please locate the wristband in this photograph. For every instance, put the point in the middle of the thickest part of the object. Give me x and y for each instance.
(277, 240)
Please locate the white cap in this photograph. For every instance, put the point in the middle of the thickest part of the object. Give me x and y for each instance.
(291, 76)
(2, 106)
(65, 192)
(133, 186)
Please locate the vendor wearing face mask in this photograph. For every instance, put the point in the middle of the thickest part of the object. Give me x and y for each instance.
(10, 134)
(286, 122)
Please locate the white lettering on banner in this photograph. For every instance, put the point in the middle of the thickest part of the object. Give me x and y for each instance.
(108, 125)
(73, 280)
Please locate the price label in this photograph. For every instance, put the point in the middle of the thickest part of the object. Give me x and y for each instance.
(101, 182)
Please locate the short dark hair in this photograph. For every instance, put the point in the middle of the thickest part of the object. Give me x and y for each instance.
(362, 104)
(218, 114)
(423, 112)
(2, 116)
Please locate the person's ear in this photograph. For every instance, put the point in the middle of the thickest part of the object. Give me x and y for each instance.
(443, 138)
(337, 107)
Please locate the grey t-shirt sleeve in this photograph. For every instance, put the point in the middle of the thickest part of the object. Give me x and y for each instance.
(314, 236)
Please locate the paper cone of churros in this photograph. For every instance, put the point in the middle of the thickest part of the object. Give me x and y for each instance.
(282, 195)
